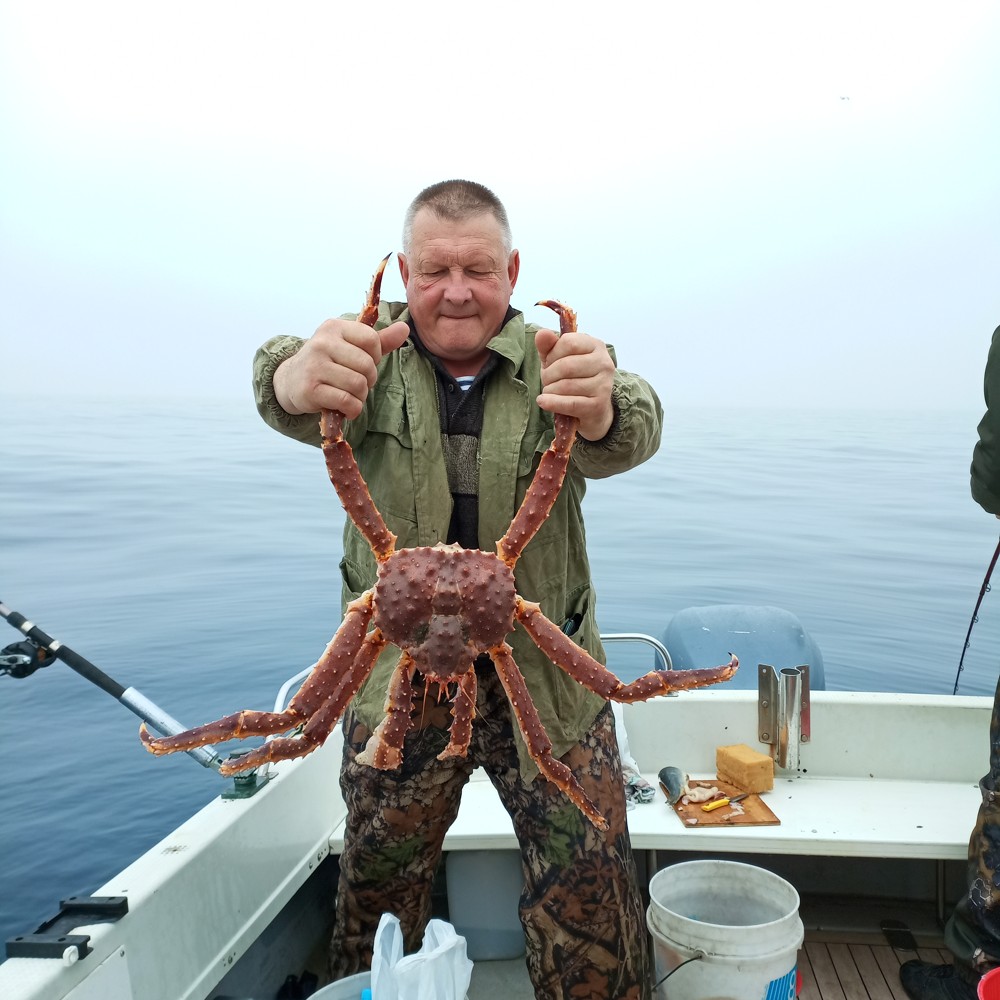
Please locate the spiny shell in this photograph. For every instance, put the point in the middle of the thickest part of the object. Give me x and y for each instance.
(444, 604)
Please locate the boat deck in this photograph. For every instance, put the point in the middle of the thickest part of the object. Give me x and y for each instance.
(834, 966)
(845, 970)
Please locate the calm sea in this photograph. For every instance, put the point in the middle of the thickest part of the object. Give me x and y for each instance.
(192, 553)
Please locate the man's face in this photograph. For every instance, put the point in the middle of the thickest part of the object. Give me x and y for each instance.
(458, 286)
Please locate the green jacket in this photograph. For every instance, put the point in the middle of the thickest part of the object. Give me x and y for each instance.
(986, 454)
(397, 443)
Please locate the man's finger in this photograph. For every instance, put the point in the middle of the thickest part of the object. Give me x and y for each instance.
(393, 336)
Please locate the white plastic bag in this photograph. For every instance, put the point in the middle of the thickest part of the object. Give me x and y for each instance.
(441, 970)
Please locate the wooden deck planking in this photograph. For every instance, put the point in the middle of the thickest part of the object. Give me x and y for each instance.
(870, 972)
(810, 990)
(820, 961)
(851, 982)
(838, 970)
(889, 961)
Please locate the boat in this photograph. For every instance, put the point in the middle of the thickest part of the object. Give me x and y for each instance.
(874, 794)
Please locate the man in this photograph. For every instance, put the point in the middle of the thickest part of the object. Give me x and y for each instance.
(973, 930)
(449, 404)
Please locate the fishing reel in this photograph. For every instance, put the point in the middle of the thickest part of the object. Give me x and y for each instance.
(22, 659)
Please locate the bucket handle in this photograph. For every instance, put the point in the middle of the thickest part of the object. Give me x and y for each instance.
(693, 958)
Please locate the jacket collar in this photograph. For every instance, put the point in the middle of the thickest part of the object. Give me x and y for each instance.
(509, 343)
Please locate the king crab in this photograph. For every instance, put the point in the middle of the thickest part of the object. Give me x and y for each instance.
(443, 606)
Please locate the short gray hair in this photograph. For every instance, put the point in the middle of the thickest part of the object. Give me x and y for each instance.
(456, 201)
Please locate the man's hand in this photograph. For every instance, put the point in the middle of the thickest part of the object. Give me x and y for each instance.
(577, 374)
(335, 368)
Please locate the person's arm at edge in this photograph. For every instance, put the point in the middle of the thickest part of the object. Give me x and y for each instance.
(986, 455)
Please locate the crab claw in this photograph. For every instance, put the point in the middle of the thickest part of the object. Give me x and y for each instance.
(369, 313)
(567, 316)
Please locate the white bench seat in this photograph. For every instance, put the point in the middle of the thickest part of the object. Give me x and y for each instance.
(884, 776)
(837, 817)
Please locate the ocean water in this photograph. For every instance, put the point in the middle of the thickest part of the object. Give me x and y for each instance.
(192, 553)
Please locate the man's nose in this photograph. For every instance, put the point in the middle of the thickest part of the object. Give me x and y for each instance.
(457, 287)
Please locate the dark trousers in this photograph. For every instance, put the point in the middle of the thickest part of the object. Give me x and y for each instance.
(580, 906)
(973, 930)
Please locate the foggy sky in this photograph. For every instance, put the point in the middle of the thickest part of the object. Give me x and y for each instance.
(764, 204)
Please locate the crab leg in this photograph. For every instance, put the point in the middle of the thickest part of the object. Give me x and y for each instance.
(351, 488)
(341, 659)
(463, 711)
(539, 746)
(340, 462)
(581, 666)
(542, 492)
(231, 727)
(384, 748)
(551, 471)
(319, 727)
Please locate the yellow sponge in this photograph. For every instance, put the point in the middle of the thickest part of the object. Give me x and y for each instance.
(744, 768)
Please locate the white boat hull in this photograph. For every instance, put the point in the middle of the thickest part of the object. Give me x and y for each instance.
(876, 767)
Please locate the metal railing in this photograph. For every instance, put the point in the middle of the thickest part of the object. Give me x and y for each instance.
(658, 647)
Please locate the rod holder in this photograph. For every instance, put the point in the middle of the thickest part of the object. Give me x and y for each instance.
(165, 724)
(783, 712)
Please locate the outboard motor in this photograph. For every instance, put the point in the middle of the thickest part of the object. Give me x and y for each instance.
(757, 634)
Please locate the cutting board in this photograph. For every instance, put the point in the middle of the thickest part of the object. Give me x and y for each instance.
(755, 811)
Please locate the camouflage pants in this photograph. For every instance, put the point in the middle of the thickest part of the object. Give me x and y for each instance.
(580, 906)
(973, 930)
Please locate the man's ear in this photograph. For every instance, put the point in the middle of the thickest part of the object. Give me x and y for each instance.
(513, 267)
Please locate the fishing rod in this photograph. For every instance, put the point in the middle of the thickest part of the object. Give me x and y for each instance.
(21, 659)
(975, 613)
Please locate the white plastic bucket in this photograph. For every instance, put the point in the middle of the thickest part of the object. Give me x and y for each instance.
(738, 922)
(345, 989)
